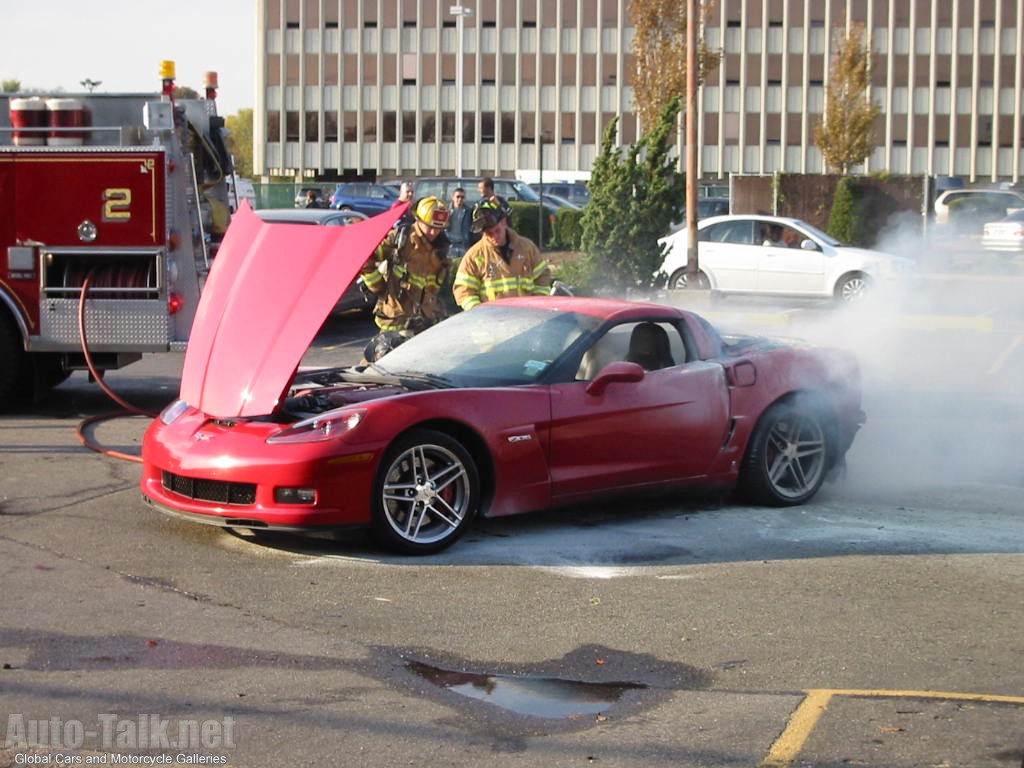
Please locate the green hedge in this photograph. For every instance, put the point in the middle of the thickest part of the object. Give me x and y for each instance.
(568, 229)
(524, 221)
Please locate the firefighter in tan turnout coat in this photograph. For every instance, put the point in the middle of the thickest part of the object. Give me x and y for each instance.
(502, 263)
(408, 269)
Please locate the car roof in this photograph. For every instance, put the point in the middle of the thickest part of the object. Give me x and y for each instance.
(971, 192)
(302, 215)
(751, 217)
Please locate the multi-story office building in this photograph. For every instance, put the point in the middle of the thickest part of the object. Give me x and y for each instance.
(396, 88)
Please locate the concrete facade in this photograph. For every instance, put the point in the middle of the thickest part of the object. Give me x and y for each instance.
(372, 88)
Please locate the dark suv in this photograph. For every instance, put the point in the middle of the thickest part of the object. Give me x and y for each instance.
(575, 192)
(512, 190)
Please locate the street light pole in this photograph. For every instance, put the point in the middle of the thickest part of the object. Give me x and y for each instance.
(461, 13)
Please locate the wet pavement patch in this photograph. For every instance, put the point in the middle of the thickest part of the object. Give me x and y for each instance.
(509, 701)
(534, 696)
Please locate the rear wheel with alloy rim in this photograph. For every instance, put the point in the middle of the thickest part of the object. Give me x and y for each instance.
(680, 281)
(788, 455)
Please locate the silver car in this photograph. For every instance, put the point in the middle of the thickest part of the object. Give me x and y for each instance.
(354, 298)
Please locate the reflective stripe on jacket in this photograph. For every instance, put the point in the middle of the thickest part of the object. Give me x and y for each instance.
(484, 276)
(405, 277)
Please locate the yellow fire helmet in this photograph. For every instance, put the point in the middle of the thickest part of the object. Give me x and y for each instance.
(432, 212)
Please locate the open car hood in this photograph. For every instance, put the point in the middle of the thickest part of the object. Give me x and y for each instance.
(270, 289)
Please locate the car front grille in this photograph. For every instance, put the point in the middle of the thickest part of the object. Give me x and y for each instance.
(216, 491)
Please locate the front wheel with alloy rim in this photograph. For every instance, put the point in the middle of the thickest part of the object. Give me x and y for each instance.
(426, 493)
(680, 281)
(788, 455)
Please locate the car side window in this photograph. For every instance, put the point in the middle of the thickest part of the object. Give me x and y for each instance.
(505, 190)
(737, 232)
(652, 345)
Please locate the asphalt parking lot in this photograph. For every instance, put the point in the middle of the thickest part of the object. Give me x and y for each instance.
(879, 625)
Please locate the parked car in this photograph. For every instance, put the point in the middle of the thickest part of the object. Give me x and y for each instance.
(706, 207)
(353, 298)
(239, 189)
(502, 410)
(560, 201)
(303, 193)
(774, 255)
(1006, 235)
(512, 190)
(364, 197)
(574, 192)
(976, 201)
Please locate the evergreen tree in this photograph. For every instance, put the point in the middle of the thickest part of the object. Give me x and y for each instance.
(634, 196)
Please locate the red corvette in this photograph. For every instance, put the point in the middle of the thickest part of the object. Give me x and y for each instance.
(516, 405)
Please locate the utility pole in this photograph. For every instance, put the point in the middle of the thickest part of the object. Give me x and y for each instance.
(691, 144)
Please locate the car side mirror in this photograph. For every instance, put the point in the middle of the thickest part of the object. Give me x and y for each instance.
(612, 373)
(809, 245)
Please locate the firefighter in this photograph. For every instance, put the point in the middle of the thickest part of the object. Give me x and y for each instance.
(502, 263)
(406, 272)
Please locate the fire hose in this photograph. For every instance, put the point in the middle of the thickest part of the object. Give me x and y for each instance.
(129, 409)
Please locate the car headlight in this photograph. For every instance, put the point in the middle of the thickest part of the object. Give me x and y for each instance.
(171, 413)
(319, 428)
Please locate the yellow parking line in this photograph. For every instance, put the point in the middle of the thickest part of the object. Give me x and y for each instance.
(798, 729)
(806, 716)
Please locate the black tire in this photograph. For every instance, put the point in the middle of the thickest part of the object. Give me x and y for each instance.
(788, 455)
(427, 491)
(679, 281)
(15, 366)
(851, 288)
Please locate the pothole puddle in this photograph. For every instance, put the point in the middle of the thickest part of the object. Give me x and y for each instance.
(547, 697)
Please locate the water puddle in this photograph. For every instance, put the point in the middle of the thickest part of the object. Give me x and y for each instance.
(535, 696)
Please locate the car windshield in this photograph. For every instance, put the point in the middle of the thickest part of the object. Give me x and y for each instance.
(819, 235)
(490, 345)
(526, 192)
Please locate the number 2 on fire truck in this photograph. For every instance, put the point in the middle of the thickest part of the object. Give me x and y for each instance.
(117, 204)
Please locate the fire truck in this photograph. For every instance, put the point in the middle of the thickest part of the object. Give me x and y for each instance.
(111, 210)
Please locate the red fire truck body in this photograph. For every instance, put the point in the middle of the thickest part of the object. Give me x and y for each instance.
(111, 234)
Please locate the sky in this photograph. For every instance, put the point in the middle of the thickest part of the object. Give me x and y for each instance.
(55, 45)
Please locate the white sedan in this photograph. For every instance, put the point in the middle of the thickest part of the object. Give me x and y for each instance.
(1005, 235)
(773, 255)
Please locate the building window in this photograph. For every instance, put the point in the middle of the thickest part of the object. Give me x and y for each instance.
(312, 126)
(410, 63)
(273, 126)
(408, 124)
(428, 134)
(291, 126)
(389, 126)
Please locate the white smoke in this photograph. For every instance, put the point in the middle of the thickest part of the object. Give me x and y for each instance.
(942, 365)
